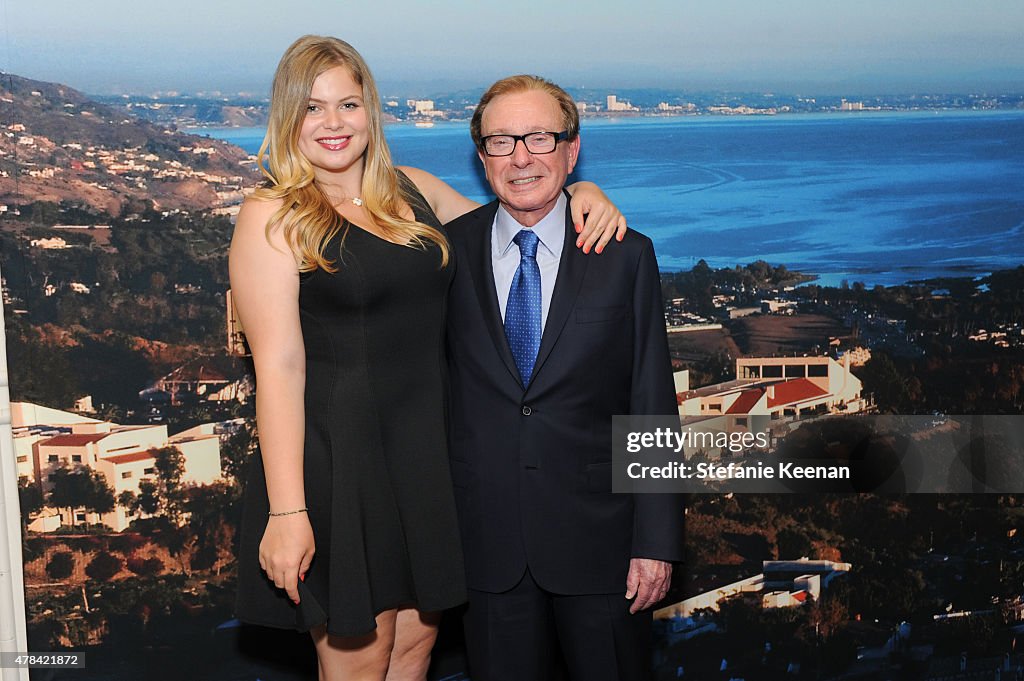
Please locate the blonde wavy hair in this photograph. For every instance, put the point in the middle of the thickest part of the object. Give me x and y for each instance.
(307, 217)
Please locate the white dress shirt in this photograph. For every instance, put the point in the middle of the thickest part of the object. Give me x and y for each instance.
(505, 253)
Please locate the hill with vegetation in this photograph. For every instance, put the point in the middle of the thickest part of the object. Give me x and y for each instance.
(60, 146)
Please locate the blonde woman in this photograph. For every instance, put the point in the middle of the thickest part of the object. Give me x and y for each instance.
(340, 271)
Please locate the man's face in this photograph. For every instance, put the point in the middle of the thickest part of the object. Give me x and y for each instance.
(527, 184)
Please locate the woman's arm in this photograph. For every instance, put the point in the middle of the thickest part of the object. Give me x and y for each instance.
(265, 291)
(602, 222)
(446, 203)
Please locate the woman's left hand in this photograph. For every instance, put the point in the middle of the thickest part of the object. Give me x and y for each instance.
(603, 219)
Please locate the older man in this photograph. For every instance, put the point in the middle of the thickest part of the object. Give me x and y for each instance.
(545, 345)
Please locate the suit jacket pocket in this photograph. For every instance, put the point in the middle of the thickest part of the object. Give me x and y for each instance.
(599, 477)
(593, 315)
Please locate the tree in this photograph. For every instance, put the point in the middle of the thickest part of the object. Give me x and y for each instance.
(128, 500)
(235, 454)
(30, 498)
(92, 357)
(168, 496)
(149, 497)
(145, 567)
(80, 488)
(826, 617)
(794, 542)
(61, 565)
(103, 567)
(100, 498)
(892, 389)
(70, 490)
(180, 542)
(170, 467)
(40, 371)
(715, 368)
(211, 522)
(741, 616)
(45, 213)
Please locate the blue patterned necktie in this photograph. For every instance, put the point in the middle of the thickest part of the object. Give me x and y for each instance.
(522, 313)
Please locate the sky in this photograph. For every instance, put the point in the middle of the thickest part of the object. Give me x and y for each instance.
(786, 46)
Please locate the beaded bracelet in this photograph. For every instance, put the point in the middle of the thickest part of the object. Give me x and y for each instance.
(299, 510)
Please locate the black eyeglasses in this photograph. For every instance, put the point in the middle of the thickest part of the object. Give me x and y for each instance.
(536, 142)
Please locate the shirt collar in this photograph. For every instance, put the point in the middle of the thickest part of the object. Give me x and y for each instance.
(550, 230)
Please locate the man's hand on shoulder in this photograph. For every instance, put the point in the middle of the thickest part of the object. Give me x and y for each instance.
(648, 581)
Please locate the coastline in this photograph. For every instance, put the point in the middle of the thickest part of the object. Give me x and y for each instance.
(604, 118)
(878, 197)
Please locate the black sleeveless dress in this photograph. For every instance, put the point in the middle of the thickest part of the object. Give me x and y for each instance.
(377, 481)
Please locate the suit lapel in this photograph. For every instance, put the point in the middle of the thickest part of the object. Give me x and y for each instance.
(571, 269)
(478, 239)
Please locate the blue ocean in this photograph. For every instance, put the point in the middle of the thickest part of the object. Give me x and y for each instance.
(881, 198)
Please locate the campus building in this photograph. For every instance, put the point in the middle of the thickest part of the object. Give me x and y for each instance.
(767, 390)
(48, 439)
(781, 583)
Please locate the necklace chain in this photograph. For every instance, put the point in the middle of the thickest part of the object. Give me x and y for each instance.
(356, 201)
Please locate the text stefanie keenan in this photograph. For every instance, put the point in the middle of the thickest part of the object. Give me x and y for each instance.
(734, 471)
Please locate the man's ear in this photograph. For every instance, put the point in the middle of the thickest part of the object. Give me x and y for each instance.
(483, 162)
(574, 153)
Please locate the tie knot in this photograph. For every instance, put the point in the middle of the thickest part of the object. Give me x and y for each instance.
(527, 241)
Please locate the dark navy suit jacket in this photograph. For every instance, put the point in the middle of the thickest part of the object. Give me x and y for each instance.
(532, 467)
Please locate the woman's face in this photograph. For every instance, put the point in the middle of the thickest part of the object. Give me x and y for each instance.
(334, 132)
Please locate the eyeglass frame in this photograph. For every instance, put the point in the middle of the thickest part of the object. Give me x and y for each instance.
(516, 139)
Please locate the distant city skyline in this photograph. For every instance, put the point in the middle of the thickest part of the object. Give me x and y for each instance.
(828, 47)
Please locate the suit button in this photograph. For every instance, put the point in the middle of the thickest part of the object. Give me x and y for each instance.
(526, 410)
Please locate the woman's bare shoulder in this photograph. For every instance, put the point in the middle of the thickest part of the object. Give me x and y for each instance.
(256, 207)
(255, 215)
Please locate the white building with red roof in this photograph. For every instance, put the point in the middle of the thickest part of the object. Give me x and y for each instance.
(769, 389)
(49, 439)
(33, 422)
(90, 449)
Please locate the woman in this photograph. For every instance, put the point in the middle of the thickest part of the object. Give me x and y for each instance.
(339, 272)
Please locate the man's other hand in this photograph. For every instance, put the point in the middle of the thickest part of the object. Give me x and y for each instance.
(648, 581)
